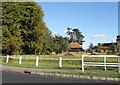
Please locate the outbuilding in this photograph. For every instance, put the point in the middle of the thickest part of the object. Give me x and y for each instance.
(75, 47)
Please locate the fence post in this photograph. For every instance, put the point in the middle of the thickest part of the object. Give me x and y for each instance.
(105, 63)
(20, 60)
(7, 58)
(37, 59)
(82, 63)
(119, 63)
(60, 61)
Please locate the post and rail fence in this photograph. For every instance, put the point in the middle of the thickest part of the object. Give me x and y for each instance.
(84, 63)
(103, 64)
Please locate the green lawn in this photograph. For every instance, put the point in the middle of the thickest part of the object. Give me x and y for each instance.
(75, 55)
(67, 64)
(101, 59)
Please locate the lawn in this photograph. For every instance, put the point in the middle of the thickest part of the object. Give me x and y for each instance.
(67, 64)
(75, 55)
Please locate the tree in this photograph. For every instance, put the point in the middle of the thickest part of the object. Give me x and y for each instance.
(55, 43)
(113, 48)
(48, 44)
(1, 32)
(64, 44)
(11, 40)
(90, 49)
(75, 35)
(97, 48)
(70, 33)
(23, 28)
(58, 44)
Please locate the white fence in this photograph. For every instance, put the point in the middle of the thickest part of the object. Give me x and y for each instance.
(84, 63)
(103, 64)
(60, 59)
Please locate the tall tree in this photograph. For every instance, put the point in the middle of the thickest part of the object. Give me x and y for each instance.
(75, 35)
(64, 45)
(60, 44)
(48, 44)
(11, 41)
(78, 36)
(70, 33)
(90, 49)
(23, 28)
(0, 41)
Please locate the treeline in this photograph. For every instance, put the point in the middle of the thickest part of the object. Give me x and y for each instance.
(25, 32)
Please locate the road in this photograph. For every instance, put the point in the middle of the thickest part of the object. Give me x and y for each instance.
(13, 77)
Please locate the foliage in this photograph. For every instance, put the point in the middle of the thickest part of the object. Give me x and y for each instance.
(113, 48)
(60, 44)
(24, 30)
(55, 43)
(75, 35)
(96, 49)
(0, 41)
(90, 49)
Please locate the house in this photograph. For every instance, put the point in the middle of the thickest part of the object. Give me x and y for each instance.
(75, 47)
(105, 47)
(118, 43)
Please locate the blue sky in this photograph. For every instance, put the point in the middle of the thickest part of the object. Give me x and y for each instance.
(97, 20)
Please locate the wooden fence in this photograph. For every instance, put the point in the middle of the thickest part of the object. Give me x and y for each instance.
(84, 63)
(104, 64)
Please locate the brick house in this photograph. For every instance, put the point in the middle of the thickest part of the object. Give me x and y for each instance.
(105, 47)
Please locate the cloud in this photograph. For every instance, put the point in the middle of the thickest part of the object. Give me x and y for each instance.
(53, 34)
(67, 36)
(98, 36)
(114, 40)
(66, 31)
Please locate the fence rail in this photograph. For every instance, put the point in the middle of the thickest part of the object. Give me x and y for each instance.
(104, 64)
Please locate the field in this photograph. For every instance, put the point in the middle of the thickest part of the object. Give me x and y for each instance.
(29, 62)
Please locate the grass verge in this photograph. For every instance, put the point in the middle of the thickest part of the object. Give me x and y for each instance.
(68, 65)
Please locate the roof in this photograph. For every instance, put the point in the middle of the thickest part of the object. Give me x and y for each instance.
(104, 47)
(107, 44)
(74, 45)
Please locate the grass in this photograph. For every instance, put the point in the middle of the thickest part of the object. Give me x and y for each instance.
(1, 61)
(43, 64)
(101, 59)
(75, 55)
(67, 64)
(91, 74)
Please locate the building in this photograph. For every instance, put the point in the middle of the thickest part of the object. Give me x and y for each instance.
(75, 47)
(118, 43)
(105, 47)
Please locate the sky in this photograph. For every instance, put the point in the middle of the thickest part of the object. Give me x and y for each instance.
(98, 21)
